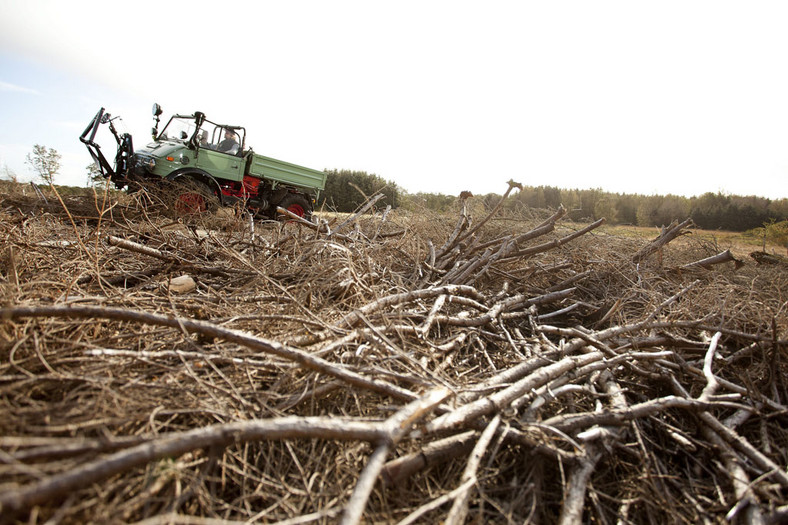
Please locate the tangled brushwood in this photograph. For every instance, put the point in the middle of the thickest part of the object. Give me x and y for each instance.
(383, 367)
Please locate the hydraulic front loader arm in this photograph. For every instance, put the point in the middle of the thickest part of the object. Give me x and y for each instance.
(122, 157)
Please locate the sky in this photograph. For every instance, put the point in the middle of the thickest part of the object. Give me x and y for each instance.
(670, 97)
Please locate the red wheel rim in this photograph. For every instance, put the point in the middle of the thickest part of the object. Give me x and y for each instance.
(296, 209)
(190, 203)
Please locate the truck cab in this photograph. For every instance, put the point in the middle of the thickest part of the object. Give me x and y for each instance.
(190, 143)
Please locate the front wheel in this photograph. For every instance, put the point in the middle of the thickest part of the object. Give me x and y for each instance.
(298, 205)
(192, 197)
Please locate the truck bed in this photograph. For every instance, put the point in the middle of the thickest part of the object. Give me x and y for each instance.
(287, 173)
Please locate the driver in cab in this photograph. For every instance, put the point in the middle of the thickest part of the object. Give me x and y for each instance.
(229, 144)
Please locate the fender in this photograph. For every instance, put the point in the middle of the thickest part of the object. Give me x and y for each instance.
(200, 175)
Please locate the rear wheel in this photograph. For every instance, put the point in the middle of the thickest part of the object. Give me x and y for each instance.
(298, 205)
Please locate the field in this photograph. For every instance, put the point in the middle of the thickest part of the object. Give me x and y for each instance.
(384, 367)
(741, 244)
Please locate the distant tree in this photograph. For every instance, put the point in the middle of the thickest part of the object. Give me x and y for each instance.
(488, 201)
(647, 211)
(777, 232)
(573, 205)
(347, 190)
(45, 162)
(530, 196)
(626, 209)
(9, 174)
(606, 207)
(713, 211)
(772, 231)
(552, 197)
(588, 204)
(94, 174)
(779, 209)
(673, 207)
(752, 212)
(437, 202)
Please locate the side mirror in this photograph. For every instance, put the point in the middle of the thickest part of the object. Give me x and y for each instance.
(156, 112)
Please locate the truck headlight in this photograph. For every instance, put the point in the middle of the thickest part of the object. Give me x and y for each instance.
(151, 164)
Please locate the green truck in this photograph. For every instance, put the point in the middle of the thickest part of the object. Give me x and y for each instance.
(202, 163)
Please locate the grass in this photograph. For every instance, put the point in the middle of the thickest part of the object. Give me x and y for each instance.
(741, 244)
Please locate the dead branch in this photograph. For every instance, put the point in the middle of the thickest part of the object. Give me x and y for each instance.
(433, 453)
(459, 509)
(55, 487)
(158, 254)
(720, 258)
(528, 252)
(498, 401)
(395, 429)
(674, 230)
(353, 218)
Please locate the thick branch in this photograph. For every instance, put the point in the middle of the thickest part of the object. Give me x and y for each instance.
(179, 443)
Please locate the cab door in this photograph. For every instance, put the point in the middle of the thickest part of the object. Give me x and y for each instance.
(221, 165)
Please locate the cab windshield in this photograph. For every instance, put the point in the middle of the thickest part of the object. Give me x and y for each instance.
(178, 129)
(217, 137)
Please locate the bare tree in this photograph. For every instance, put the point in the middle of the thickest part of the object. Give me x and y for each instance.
(45, 162)
(9, 174)
(94, 174)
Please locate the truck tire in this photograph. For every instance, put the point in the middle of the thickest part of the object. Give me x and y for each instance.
(297, 204)
(192, 197)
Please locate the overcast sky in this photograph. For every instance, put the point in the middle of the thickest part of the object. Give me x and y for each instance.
(679, 97)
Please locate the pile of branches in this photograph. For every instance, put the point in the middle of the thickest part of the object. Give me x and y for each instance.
(385, 368)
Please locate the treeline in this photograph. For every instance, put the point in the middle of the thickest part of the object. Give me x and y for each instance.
(709, 211)
(347, 190)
